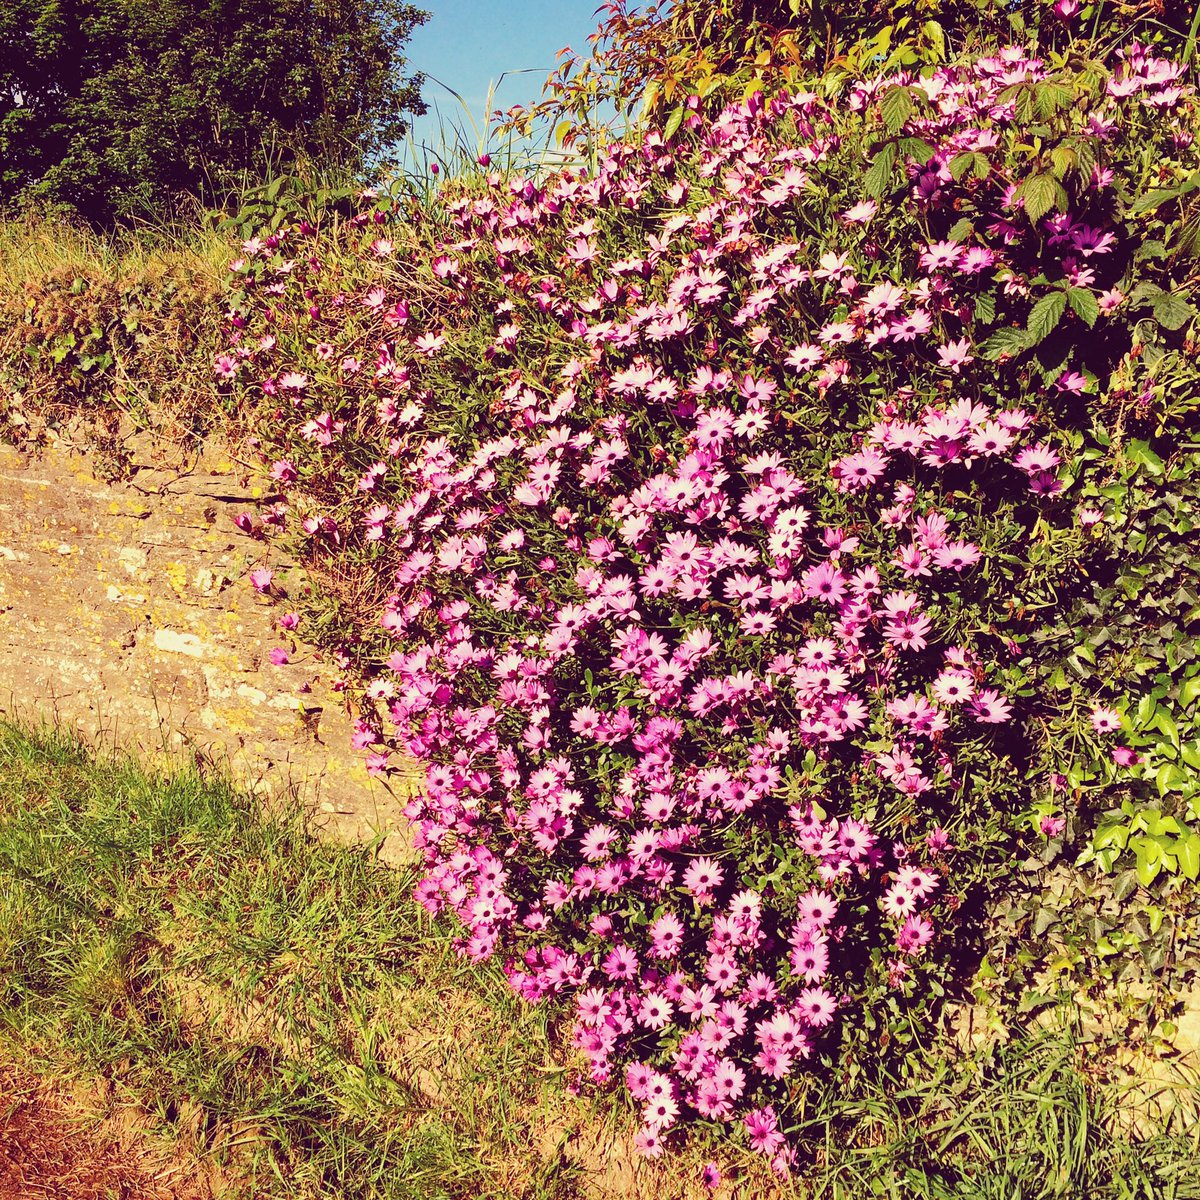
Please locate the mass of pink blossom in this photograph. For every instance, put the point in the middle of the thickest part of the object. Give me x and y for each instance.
(674, 652)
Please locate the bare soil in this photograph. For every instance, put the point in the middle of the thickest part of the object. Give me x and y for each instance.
(53, 1147)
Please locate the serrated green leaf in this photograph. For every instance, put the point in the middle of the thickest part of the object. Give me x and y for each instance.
(1144, 293)
(879, 175)
(960, 164)
(1046, 314)
(1051, 97)
(1005, 342)
(1062, 160)
(985, 308)
(961, 230)
(917, 148)
(936, 37)
(1041, 193)
(1083, 305)
(895, 107)
(1171, 310)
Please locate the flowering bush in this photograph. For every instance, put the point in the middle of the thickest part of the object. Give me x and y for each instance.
(710, 502)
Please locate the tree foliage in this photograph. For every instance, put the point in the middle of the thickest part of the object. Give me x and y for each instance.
(112, 106)
(654, 56)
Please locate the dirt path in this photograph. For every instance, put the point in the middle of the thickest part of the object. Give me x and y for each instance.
(125, 614)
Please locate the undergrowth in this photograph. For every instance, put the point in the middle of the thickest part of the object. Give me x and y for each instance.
(111, 331)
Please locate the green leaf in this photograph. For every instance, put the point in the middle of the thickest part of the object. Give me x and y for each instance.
(1169, 778)
(1005, 343)
(673, 123)
(1187, 850)
(1051, 98)
(1124, 884)
(1041, 193)
(1171, 310)
(1165, 724)
(1084, 305)
(895, 107)
(1111, 835)
(1189, 691)
(960, 164)
(970, 160)
(961, 230)
(879, 175)
(985, 308)
(1046, 314)
(1139, 453)
(1149, 862)
(1159, 196)
(917, 148)
(1044, 918)
(936, 38)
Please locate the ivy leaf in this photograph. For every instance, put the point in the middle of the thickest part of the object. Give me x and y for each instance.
(1138, 451)
(1041, 193)
(1005, 343)
(895, 107)
(1171, 310)
(1084, 305)
(1046, 314)
(1187, 850)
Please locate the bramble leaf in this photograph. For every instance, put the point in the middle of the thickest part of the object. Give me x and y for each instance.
(1083, 305)
(1046, 314)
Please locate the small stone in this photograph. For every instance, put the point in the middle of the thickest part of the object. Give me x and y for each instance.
(173, 642)
(132, 559)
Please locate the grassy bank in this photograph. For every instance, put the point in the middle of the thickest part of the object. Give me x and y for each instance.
(109, 329)
(274, 1004)
(278, 1014)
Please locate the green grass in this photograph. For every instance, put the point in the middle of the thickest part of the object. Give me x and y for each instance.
(279, 1007)
(220, 965)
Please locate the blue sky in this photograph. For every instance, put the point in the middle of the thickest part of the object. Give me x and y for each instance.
(469, 43)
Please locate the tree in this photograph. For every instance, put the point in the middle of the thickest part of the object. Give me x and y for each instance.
(115, 107)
